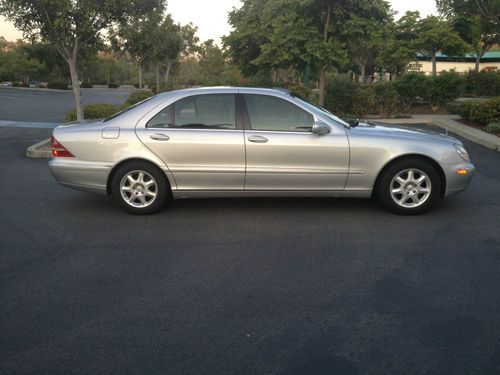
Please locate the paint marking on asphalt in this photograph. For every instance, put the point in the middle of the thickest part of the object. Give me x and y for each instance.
(26, 124)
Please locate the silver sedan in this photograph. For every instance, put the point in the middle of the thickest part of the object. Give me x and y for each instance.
(250, 142)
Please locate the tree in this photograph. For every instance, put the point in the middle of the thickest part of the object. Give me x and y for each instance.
(474, 26)
(70, 25)
(368, 33)
(138, 35)
(400, 47)
(437, 35)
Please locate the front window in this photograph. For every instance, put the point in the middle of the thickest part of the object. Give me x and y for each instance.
(275, 114)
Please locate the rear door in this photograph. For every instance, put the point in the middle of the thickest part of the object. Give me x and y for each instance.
(283, 153)
(200, 141)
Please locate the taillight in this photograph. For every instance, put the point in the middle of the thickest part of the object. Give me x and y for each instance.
(59, 151)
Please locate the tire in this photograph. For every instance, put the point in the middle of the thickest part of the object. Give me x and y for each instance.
(140, 188)
(410, 186)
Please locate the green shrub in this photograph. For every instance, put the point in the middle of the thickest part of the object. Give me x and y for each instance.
(493, 127)
(443, 88)
(58, 85)
(86, 85)
(138, 96)
(113, 85)
(385, 99)
(95, 111)
(466, 108)
(483, 83)
(486, 111)
(298, 90)
(363, 100)
(339, 93)
(410, 88)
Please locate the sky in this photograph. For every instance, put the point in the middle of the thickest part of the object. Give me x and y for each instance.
(211, 16)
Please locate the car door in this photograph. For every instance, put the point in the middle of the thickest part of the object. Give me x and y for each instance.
(199, 140)
(283, 153)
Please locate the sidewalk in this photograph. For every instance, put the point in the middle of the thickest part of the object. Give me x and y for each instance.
(449, 123)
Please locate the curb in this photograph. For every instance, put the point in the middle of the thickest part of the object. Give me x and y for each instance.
(448, 122)
(39, 150)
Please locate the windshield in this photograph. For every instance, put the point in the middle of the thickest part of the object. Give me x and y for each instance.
(126, 110)
(323, 111)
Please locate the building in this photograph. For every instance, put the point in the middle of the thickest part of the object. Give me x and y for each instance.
(489, 62)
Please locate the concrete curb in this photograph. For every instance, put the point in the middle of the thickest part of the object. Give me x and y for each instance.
(40, 150)
(448, 122)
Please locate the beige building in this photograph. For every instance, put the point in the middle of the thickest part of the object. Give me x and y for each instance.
(490, 61)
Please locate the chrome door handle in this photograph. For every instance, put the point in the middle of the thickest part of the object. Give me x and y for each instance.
(159, 137)
(257, 139)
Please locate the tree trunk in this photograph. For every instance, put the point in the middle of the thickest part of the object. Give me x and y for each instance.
(434, 64)
(322, 74)
(478, 62)
(157, 72)
(139, 65)
(76, 87)
(169, 67)
(322, 79)
(362, 77)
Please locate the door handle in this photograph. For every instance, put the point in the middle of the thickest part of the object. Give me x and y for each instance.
(159, 137)
(257, 139)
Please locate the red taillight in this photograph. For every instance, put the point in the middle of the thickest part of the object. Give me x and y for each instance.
(58, 150)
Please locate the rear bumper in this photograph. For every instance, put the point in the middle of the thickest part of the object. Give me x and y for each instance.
(76, 174)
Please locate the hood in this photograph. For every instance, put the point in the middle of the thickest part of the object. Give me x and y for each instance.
(395, 131)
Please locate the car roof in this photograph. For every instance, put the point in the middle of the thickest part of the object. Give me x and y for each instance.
(225, 89)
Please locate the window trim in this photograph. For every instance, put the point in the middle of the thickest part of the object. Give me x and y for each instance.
(247, 124)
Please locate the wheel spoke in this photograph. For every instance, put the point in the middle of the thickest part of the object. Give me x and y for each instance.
(420, 180)
(398, 190)
(131, 179)
(410, 175)
(400, 180)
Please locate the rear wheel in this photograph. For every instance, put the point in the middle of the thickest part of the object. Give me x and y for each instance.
(409, 186)
(140, 188)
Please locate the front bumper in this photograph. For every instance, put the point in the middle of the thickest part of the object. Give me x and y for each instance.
(81, 175)
(456, 183)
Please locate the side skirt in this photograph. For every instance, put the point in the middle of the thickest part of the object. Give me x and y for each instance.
(184, 194)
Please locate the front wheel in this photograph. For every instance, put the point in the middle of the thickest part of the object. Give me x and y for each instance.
(409, 187)
(140, 188)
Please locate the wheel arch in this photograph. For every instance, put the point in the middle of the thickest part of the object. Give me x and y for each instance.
(131, 160)
(426, 158)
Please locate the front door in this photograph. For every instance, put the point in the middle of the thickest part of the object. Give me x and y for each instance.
(283, 153)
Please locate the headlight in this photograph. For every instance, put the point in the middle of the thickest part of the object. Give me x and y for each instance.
(462, 152)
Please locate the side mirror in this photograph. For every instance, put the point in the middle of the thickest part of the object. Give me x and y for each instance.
(320, 128)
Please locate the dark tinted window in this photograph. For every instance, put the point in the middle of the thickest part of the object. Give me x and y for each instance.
(211, 111)
(276, 114)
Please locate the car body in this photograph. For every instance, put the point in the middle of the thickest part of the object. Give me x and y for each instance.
(253, 142)
(6, 84)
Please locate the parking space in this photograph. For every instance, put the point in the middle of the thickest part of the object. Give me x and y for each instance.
(272, 286)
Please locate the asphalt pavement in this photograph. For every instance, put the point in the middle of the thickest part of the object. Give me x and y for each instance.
(255, 286)
(23, 104)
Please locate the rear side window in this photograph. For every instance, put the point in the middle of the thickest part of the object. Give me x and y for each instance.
(275, 114)
(211, 111)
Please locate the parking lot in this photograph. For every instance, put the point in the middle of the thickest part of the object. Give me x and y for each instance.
(51, 105)
(255, 286)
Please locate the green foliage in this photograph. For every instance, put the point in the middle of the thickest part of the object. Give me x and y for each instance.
(339, 95)
(298, 90)
(138, 96)
(95, 111)
(483, 83)
(385, 99)
(493, 127)
(58, 85)
(86, 85)
(443, 88)
(346, 97)
(482, 112)
(410, 88)
(486, 112)
(113, 85)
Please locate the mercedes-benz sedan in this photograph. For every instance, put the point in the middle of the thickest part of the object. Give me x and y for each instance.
(250, 142)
